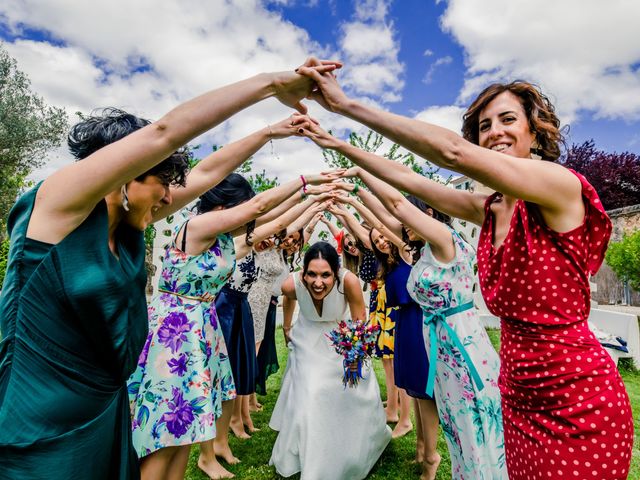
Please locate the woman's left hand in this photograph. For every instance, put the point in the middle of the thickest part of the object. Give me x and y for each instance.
(324, 177)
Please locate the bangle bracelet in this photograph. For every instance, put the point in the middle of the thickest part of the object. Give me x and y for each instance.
(304, 183)
(355, 189)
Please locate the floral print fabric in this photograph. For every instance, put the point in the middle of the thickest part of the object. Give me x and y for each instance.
(382, 315)
(471, 418)
(183, 372)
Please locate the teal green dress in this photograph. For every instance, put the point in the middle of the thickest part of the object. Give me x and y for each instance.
(74, 320)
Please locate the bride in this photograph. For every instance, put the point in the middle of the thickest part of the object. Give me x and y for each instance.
(326, 431)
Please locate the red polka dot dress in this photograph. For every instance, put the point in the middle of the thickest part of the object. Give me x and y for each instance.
(565, 409)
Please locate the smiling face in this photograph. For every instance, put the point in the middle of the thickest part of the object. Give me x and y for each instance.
(503, 126)
(411, 235)
(349, 245)
(291, 243)
(319, 278)
(381, 242)
(145, 196)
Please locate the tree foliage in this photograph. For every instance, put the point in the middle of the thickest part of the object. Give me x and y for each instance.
(259, 181)
(624, 259)
(29, 128)
(615, 176)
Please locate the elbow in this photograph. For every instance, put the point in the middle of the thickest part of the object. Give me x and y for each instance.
(260, 206)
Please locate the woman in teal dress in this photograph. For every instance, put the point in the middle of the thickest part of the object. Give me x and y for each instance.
(73, 312)
(183, 389)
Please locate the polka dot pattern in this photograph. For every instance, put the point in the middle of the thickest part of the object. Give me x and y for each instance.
(566, 412)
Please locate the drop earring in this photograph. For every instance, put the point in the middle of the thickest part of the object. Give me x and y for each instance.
(125, 198)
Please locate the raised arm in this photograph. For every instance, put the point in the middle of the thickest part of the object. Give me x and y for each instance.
(288, 306)
(372, 218)
(549, 185)
(67, 197)
(457, 203)
(431, 230)
(203, 229)
(351, 223)
(216, 166)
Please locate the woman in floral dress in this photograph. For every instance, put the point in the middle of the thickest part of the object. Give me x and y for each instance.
(542, 236)
(183, 378)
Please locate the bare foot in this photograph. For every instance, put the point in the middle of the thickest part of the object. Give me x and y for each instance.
(213, 469)
(238, 430)
(392, 417)
(224, 452)
(255, 408)
(401, 429)
(249, 424)
(430, 466)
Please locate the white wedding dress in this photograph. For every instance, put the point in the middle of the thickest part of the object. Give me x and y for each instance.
(326, 431)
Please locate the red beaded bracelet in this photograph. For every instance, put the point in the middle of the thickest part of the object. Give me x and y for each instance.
(304, 184)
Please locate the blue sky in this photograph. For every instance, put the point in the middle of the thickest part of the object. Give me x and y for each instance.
(425, 59)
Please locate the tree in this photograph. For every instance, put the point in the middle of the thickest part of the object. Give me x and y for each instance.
(615, 176)
(624, 259)
(29, 128)
(259, 181)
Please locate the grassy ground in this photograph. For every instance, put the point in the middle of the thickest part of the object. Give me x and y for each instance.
(396, 461)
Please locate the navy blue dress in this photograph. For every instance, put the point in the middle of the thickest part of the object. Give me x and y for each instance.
(410, 363)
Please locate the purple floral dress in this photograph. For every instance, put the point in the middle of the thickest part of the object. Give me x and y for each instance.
(183, 372)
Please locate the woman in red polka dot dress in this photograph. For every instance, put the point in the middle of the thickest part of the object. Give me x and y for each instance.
(565, 409)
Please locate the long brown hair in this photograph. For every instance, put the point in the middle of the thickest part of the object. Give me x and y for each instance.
(541, 115)
(386, 262)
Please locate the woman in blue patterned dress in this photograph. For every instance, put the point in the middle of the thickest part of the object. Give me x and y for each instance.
(184, 383)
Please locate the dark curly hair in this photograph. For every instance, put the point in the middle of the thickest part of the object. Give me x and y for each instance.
(540, 112)
(293, 260)
(230, 192)
(108, 125)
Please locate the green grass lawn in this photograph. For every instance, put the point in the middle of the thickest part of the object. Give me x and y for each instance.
(396, 461)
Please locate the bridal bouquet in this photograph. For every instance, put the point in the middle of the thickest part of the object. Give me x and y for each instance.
(354, 340)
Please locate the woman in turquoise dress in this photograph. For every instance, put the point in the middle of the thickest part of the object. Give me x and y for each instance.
(73, 310)
(183, 389)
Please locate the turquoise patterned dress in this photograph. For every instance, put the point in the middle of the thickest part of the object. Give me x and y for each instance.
(464, 365)
(183, 373)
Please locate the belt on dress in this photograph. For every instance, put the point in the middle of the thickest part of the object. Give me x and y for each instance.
(181, 295)
(441, 316)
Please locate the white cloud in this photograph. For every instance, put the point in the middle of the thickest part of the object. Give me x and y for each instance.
(428, 78)
(370, 47)
(581, 52)
(184, 49)
(448, 116)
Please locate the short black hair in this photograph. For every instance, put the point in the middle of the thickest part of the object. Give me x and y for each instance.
(108, 125)
(229, 193)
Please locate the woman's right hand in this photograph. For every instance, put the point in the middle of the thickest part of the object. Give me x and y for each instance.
(328, 92)
(291, 87)
(290, 126)
(286, 331)
(319, 189)
(324, 177)
(321, 137)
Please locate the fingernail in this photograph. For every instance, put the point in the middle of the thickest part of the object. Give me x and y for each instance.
(296, 70)
(300, 130)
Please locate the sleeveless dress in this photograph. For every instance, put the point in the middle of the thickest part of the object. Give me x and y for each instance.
(410, 362)
(73, 320)
(263, 300)
(383, 315)
(469, 411)
(234, 314)
(566, 411)
(183, 373)
(326, 431)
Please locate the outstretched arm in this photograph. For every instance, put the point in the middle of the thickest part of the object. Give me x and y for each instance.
(203, 229)
(349, 220)
(457, 203)
(214, 168)
(67, 197)
(431, 230)
(556, 190)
